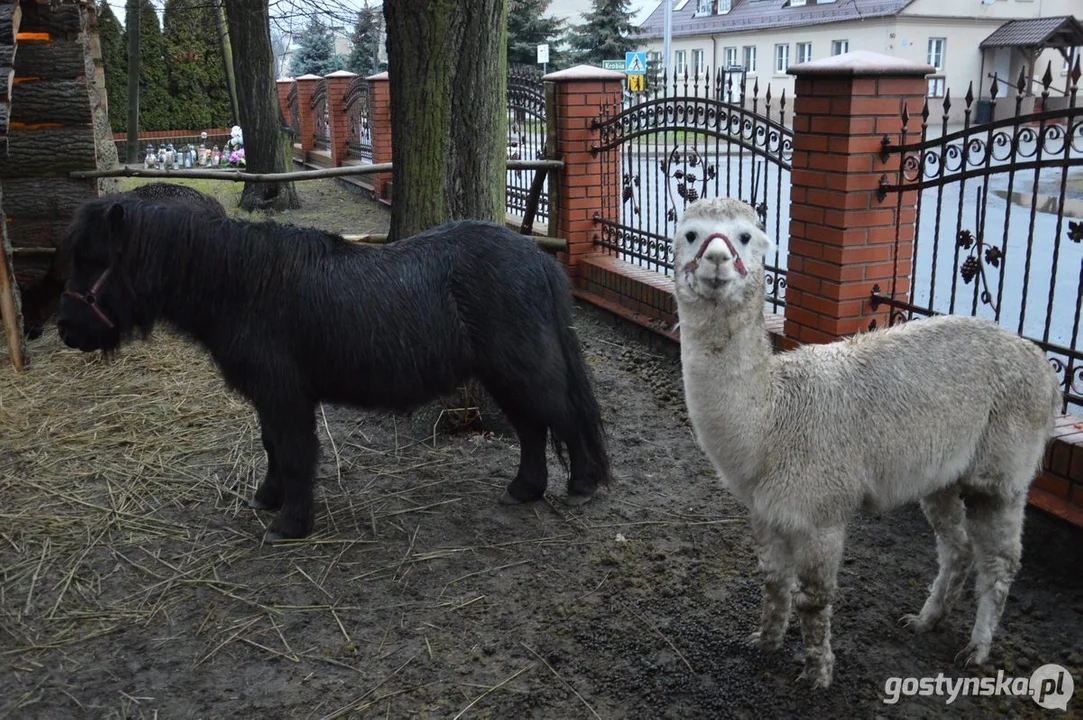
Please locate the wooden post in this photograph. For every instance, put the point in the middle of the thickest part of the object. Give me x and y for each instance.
(9, 303)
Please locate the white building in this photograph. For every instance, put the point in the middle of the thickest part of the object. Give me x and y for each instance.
(967, 41)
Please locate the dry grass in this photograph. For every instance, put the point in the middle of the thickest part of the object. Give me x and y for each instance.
(124, 484)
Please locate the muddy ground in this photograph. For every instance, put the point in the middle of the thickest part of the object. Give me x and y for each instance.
(420, 596)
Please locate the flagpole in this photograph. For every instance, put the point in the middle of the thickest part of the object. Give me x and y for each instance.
(667, 33)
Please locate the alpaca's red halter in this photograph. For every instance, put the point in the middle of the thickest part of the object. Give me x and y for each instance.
(738, 264)
(90, 297)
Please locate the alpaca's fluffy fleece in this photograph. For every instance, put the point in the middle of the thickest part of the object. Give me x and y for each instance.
(953, 412)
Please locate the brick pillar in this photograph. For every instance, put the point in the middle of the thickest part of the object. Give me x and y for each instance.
(336, 114)
(843, 239)
(306, 88)
(589, 184)
(284, 86)
(380, 124)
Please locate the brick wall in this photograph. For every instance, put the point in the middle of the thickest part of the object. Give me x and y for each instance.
(844, 240)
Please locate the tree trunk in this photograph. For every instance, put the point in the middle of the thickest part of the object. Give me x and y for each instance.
(227, 59)
(448, 111)
(267, 143)
(131, 22)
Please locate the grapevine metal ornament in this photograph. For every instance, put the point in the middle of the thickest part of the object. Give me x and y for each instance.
(1075, 231)
(684, 168)
(978, 256)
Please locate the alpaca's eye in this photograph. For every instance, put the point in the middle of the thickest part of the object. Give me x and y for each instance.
(690, 236)
(745, 238)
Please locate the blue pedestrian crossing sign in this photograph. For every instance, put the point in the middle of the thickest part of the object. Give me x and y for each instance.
(635, 63)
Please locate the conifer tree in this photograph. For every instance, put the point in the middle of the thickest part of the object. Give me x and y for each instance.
(367, 38)
(607, 32)
(315, 52)
(154, 100)
(115, 64)
(199, 96)
(528, 27)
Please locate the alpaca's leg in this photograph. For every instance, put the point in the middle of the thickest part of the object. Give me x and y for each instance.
(995, 526)
(777, 565)
(269, 494)
(947, 516)
(293, 437)
(817, 556)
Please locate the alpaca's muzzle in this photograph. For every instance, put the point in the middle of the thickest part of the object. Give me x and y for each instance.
(738, 264)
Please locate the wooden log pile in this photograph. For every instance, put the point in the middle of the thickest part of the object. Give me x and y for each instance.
(54, 120)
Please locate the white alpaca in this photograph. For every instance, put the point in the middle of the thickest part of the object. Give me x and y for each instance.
(952, 411)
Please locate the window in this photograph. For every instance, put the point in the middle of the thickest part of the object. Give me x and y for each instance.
(804, 52)
(705, 7)
(724, 6)
(750, 58)
(698, 68)
(680, 63)
(782, 58)
(1069, 59)
(936, 86)
(935, 56)
(797, 3)
(730, 55)
(838, 47)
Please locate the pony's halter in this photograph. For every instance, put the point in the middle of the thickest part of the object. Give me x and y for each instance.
(90, 297)
(738, 264)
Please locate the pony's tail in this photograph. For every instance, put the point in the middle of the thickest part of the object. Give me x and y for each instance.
(585, 419)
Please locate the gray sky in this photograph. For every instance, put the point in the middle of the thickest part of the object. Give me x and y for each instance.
(573, 10)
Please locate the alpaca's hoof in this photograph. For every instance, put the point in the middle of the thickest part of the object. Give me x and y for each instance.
(916, 624)
(769, 642)
(575, 499)
(816, 674)
(973, 654)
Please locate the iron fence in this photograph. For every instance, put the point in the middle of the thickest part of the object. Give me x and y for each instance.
(526, 137)
(999, 220)
(321, 135)
(689, 139)
(295, 117)
(356, 102)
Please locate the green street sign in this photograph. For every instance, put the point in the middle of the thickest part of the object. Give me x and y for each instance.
(613, 65)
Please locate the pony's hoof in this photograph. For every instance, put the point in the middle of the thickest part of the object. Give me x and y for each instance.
(287, 527)
(575, 499)
(508, 499)
(256, 504)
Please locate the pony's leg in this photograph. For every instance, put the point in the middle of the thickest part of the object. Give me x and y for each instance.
(995, 526)
(533, 475)
(947, 515)
(269, 494)
(817, 556)
(777, 565)
(293, 436)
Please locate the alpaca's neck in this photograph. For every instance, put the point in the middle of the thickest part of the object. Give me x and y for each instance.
(727, 365)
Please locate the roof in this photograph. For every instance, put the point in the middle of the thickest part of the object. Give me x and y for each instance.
(1064, 31)
(750, 15)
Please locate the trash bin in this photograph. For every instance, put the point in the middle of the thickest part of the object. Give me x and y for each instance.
(984, 112)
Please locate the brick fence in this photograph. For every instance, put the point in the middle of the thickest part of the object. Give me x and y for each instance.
(843, 238)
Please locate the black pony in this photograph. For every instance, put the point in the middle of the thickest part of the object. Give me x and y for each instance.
(295, 316)
(40, 301)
